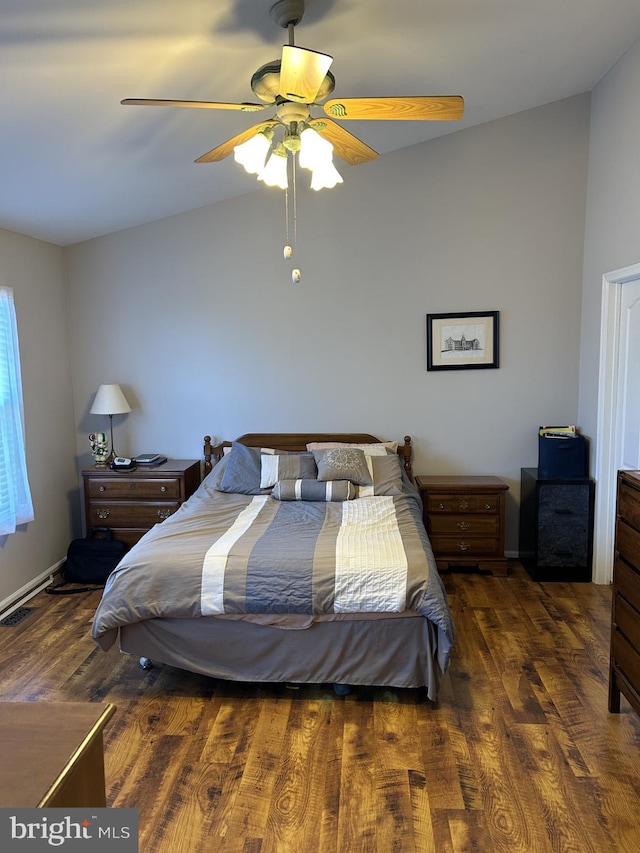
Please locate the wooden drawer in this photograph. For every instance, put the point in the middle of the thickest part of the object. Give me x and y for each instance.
(628, 543)
(133, 488)
(629, 504)
(462, 503)
(627, 621)
(460, 546)
(627, 582)
(468, 525)
(626, 658)
(125, 514)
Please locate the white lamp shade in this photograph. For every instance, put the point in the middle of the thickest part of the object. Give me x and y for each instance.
(325, 176)
(314, 150)
(252, 153)
(274, 173)
(110, 400)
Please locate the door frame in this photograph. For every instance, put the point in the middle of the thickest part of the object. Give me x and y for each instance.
(607, 435)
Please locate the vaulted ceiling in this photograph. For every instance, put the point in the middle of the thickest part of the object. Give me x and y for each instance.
(76, 164)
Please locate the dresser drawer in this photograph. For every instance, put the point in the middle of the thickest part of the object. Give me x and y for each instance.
(462, 503)
(461, 545)
(627, 620)
(485, 525)
(627, 582)
(628, 543)
(626, 658)
(629, 505)
(128, 513)
(133, 488)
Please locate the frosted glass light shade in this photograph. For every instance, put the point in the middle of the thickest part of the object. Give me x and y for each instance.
(274, 173)
(325, 176)
(110, 400)
(253, 153)
(314, 150)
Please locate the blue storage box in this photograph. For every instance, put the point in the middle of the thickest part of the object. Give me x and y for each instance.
(562, 458)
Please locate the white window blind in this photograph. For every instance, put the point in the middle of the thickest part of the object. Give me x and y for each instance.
(15, 496)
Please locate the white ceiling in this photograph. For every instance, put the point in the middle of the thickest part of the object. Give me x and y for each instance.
(76, 164)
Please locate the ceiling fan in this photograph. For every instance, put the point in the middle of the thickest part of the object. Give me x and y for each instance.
(300, 81)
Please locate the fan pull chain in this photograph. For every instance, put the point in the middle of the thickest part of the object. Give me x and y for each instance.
(291, 218)
(295, 274)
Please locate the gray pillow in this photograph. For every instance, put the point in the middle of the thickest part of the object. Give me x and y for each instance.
(287, 466)
(343, 463)
(387, 477)
(242, 473)
(314, 490)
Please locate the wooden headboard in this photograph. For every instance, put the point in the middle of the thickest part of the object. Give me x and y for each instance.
(297, 441)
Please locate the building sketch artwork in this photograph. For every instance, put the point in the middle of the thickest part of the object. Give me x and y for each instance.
(457, 339)
(461, 345)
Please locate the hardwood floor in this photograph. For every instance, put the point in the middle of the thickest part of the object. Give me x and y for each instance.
(520, 754)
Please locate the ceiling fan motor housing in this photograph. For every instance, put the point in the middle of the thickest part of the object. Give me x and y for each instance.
(287, 12)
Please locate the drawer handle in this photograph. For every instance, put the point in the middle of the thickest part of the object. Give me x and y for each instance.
(102, 489)
(564, 512)
(464, 504)
(164, 513)
(103, 513)
(163, 488)
(463, 546)
(132, 485)
(463, 525)
(440, 505)
(488, 506)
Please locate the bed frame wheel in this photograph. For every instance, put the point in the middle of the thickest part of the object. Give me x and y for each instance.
(341, 689)
(146, 663)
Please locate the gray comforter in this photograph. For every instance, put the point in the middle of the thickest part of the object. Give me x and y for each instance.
(225, 554)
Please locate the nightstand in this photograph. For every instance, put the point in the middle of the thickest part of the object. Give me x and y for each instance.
(464, 517)
(131, 502)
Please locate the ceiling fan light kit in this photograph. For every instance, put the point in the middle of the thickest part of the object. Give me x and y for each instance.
(292, 86)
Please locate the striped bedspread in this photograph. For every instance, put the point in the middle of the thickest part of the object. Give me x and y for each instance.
(225, 554)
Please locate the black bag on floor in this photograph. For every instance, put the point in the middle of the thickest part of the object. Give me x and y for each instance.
(90, 561)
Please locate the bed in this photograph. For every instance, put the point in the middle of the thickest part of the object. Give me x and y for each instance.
(301, 558)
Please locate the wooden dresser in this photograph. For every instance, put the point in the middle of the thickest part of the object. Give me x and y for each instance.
(464, 517)
(131, 502)
(624, 668)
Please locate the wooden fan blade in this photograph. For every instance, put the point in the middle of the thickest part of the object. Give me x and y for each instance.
(301, 73)
(347, 146)
(199, 105)
(428, 108)
(222, 151)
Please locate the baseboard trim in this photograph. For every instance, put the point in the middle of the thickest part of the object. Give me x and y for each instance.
(29, 590)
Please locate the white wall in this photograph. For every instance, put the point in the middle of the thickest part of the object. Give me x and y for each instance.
(197, 317)
(612, 234)
(36, 271)
(612, 242)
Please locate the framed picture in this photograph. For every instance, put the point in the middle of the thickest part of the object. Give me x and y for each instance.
(462, 341)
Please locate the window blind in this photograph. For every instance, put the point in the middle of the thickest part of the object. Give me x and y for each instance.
(15, 495)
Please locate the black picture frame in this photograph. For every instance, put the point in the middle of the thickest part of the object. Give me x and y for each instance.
(463, 340)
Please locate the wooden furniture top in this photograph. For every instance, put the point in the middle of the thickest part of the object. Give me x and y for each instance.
(40, 744)
(297, 442)
(171, 466)
(455, 482)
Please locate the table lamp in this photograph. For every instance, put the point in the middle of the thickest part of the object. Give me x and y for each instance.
(110, 400)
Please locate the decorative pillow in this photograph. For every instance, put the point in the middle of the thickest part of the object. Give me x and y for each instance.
(242, 474)
(386, 477)
(343, 463)
(289, 466)
(314, 490)
(376, 448)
